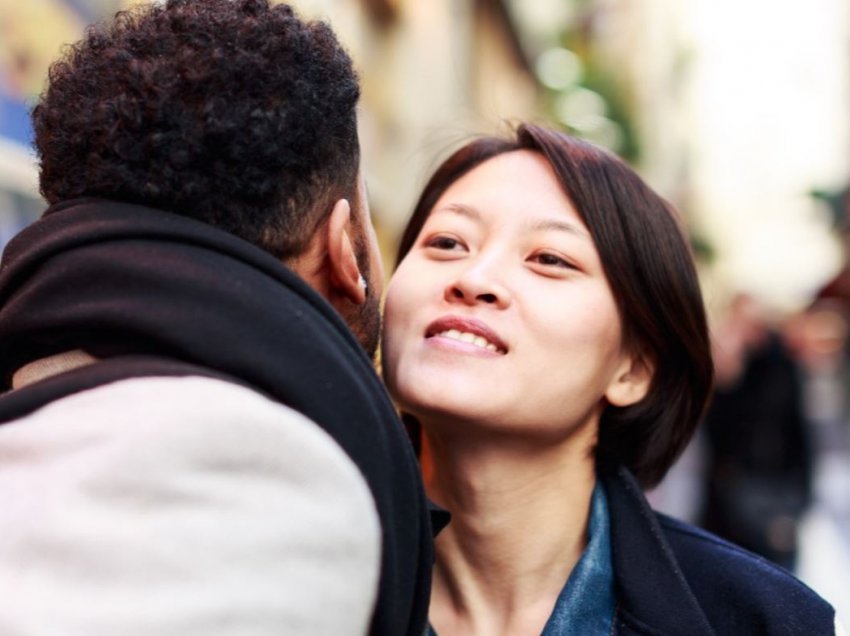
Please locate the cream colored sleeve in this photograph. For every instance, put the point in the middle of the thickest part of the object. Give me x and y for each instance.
(184, 507)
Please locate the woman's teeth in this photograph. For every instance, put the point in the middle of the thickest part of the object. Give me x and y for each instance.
(471, 338)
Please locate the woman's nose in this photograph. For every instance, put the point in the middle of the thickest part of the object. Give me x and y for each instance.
(477, 284)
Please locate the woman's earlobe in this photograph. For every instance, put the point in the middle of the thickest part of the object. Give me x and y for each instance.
(631, 382)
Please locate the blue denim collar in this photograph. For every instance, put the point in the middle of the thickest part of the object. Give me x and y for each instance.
(587, 603)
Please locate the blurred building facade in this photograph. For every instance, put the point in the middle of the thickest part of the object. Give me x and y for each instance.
(743, 113)
(734, 111)
(31, 34)
(433, 73)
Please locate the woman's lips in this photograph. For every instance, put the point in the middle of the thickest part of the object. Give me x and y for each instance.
(467, 330)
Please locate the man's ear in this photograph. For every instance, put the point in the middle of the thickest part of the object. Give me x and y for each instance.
(344, 272)
(631, 381)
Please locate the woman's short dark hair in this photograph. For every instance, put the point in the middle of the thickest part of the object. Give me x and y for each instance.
(234, 112)
(650, 269)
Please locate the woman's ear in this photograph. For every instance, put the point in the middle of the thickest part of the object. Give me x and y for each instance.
(344, 275)
(632, 380)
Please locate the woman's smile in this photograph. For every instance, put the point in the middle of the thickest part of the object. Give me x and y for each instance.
(465, 335)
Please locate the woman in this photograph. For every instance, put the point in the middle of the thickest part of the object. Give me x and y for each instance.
(545, 328)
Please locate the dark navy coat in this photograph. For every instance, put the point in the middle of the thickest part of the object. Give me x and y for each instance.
(674, 579)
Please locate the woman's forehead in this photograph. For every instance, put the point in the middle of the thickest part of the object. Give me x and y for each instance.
(519, 187)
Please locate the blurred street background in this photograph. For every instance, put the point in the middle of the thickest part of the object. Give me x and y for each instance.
(738, 112)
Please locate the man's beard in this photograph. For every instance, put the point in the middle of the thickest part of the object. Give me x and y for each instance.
(365, 320)
(366, 324)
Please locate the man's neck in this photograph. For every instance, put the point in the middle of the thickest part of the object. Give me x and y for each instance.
(44, 368)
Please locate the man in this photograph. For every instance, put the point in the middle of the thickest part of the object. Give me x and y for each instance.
(193, 441)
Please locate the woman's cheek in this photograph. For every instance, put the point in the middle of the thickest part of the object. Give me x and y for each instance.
(390, 346)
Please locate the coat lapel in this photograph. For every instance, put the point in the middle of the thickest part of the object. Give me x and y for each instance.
(653, 595)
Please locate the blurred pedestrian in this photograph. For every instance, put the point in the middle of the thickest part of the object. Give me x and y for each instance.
(759, 453)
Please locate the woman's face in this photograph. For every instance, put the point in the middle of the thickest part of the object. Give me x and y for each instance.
(500, 314)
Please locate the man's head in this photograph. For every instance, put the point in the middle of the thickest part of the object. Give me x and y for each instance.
(233, 112)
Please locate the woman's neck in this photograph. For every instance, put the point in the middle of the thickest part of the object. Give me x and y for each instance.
(519, 525)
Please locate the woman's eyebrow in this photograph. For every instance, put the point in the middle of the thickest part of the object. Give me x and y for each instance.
(461, 209)
(543, 225)
(539, 225)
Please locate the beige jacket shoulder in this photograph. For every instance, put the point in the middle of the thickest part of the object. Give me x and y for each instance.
(181, 506)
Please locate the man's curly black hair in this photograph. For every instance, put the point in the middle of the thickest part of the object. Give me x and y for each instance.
(233, 112)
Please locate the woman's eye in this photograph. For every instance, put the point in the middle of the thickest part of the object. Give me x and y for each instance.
(444, 243)
(551, 260)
